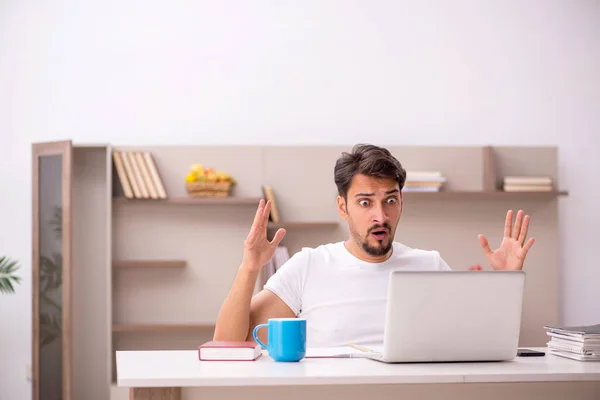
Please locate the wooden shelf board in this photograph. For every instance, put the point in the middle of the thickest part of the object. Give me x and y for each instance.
(90, 145)
(484, 194)
(161, 327)
(149, 263)
(255, 200)
(303, 224)
(191, 201)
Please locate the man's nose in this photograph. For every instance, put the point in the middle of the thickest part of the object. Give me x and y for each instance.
(379, 215)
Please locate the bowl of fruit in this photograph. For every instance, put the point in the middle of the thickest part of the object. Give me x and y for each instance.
(206, 182)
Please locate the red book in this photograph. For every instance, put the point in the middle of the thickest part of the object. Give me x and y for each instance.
(229, 351)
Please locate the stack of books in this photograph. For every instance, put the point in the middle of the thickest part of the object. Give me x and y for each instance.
(424, 181)
(576, 342)
(527, 184)
(138, 175)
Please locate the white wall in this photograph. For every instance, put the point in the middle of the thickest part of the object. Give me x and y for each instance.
(289, 72)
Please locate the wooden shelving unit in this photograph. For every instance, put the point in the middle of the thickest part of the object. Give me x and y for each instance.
(128, 287)
(192, 201)
(141, 264)
(161, 327)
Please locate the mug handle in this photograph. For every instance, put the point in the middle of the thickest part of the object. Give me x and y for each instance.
(256, 337)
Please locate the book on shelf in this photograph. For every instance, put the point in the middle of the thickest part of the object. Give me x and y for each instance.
(424, 181)
(526, 188)
(417, 184)
(153, 171)
(575, 342)
(229, 351)
(145, 174)
(129, 175)
(122, 175)
(528, 180)
(270, 195)
(138, 175)
(527, 184)
(421, 189)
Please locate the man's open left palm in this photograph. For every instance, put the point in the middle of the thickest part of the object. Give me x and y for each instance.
(513, 249)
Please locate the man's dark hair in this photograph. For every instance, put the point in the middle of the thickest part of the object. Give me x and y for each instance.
(367, 159)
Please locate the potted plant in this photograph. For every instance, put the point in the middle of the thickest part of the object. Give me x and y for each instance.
(8, 279)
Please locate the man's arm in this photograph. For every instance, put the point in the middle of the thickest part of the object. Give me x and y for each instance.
(241, 312)
(234, 318)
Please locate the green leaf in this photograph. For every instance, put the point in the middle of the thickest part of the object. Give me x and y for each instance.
(8, 278)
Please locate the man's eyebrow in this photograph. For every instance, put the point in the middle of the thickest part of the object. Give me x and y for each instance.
(373, 194)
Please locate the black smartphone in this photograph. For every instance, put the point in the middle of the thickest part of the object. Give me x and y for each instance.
(529, 353)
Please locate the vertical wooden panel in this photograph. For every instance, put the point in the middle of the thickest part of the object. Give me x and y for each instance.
(67, 237)
(63, 149)
(489, 169)
(35, 274)
(91, 274)
(111, 184)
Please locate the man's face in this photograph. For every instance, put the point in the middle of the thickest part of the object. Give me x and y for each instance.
(372, 209)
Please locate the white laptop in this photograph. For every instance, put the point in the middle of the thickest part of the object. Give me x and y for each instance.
(452, 316)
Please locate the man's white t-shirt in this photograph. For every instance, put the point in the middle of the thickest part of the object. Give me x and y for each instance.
(342, 297)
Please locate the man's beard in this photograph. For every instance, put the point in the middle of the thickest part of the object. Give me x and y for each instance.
(375, 251)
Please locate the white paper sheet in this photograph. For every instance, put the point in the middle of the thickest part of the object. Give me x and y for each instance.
(339, 352)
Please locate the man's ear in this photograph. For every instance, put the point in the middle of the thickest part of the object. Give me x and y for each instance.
(342, 207)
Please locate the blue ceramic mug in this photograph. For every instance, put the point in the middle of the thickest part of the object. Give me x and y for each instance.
(287, 338)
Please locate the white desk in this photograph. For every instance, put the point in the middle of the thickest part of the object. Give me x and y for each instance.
(163, 374)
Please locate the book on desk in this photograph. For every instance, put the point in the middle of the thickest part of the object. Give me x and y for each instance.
(580, 343)
(229, 351)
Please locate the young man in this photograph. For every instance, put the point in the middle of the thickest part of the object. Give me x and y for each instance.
(341, 288)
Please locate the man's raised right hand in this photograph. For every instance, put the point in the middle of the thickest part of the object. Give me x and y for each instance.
(258, 250)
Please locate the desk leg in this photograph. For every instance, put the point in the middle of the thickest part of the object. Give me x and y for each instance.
(159, 393)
